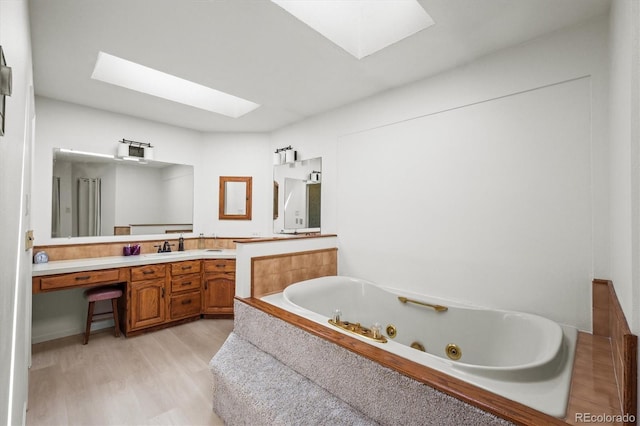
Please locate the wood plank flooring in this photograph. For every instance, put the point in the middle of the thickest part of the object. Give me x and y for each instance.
(159, 378)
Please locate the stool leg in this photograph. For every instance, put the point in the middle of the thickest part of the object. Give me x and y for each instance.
(89, 318)
(114, 303)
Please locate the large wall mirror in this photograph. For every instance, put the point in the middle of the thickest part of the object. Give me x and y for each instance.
(297, 196)
(94, 195)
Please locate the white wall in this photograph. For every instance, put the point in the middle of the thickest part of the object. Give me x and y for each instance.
(498, 204)
(227, 154)
(15, 215)
(129, 182)
(625, 157)
(575, 53)
(178, 207)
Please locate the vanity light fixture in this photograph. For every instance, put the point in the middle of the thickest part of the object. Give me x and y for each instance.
(121, 72)
(361, 27)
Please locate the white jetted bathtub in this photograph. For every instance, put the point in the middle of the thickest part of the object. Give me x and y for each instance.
(523, 357)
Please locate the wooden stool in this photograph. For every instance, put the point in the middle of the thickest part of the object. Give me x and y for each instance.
(102, 293)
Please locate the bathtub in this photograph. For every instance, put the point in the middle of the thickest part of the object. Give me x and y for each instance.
(523, 357)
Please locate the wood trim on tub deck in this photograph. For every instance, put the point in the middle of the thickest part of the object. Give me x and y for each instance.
(480, 398)
(609, 321)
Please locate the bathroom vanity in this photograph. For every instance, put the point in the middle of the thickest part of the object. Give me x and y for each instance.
(160, 290)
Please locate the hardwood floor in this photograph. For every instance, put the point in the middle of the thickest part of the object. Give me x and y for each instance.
(159, 378)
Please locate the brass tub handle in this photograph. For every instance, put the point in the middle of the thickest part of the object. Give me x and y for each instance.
(438, 308)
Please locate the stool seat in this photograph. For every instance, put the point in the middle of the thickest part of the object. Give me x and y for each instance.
(102, 293)
(94, 295)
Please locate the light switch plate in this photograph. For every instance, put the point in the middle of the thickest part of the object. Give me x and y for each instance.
(28, 240)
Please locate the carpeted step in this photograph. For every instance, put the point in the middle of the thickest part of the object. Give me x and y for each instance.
(250, 387)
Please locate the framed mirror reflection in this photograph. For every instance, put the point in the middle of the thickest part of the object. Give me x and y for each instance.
(297, 196)
(235, 198)
(97, 195)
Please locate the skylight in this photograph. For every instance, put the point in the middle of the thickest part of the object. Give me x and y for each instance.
(361, 27)
(131, 75)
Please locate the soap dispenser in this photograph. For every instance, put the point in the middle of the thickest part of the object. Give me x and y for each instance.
(181, 243)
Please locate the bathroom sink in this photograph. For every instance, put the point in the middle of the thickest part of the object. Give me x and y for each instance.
(167, 254)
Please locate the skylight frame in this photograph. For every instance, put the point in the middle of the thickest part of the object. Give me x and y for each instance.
(133, 76)
(360, 27)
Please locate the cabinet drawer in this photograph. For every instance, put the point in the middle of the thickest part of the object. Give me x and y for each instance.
(220, 265)
(186, 267)
(147, 272)
(185, 282)
(79, 279)
(185, 305)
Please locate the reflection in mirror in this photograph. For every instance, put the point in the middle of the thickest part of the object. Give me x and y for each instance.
(235, 198)
(95, 195)
(299, 203)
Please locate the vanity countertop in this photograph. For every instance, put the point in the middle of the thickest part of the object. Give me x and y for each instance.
(97, 263)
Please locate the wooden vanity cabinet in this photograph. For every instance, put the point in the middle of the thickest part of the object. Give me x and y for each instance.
(219, 286)
(186, 295)
(146, 294)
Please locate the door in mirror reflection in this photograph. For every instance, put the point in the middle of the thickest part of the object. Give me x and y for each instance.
(301, 204)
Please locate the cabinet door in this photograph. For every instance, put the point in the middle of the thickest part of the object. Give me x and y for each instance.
(219, 291)
(147, 303)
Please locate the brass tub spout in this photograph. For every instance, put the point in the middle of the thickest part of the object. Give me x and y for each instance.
(438, 308)
(358, 329)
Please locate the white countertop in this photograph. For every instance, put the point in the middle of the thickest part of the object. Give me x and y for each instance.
(96, 263)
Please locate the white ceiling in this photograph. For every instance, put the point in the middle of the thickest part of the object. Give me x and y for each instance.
(256, 50)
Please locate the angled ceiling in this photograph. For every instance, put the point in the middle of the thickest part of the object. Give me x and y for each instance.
(255, 50)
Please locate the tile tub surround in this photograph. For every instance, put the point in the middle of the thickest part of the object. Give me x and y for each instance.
(272, 274)
(386, 391)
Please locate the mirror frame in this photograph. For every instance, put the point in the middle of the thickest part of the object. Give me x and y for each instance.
(222, 197)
